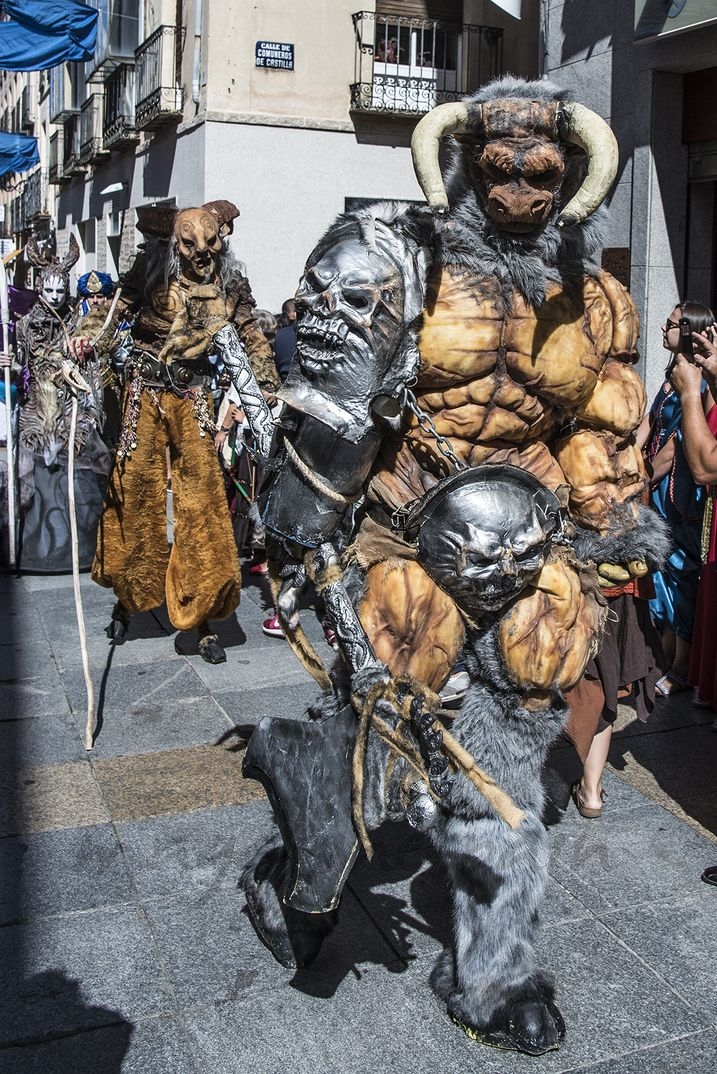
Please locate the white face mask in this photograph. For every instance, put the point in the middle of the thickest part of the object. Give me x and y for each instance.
(54, 291)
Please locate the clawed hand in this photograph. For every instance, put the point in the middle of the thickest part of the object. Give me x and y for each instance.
(615, 574)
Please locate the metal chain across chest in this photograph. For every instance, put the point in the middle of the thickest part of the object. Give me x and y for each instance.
(428, 426)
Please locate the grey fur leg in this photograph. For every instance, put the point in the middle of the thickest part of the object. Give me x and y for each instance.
(293, 938)
(490, 982)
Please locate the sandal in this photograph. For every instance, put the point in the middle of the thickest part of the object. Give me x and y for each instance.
(670, 684)
(585, 811)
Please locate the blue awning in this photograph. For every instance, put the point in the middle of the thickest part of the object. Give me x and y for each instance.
(18, 153)
(45, 33)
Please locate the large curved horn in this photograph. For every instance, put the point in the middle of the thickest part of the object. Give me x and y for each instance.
(35, 255)
(72, 255)
(451, 118)
(581, 126)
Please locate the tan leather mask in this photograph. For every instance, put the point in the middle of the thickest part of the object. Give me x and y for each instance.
(197, 232)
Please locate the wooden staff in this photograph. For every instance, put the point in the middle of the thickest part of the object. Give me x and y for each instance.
(11, 508)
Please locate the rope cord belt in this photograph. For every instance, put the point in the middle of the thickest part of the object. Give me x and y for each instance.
(315, 482)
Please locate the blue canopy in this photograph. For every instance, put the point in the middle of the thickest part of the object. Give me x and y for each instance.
(18, 153)
(45, 33)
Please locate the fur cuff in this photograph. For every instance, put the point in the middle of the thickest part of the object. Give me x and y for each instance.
(647, 539)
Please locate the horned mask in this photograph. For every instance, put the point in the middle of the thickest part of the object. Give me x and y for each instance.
(54, 274)
(517, 153)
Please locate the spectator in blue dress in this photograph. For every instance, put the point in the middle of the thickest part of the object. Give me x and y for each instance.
(676, 498)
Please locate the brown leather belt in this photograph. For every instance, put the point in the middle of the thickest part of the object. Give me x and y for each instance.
(177, 377)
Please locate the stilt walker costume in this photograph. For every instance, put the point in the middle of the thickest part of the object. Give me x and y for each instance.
(473, 514)
(168, 406)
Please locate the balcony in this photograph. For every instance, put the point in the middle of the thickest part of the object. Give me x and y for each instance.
(118, 35)
(159, 99)
(28, 108)
(57, 156)
(71, 163)
(406, 65)
(35, 195)
(118, 126)
(91, 120)
(17, 218)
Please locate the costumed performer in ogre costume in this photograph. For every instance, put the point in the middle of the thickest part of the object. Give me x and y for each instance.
(456, 473)
(43, 347)
(189, 287)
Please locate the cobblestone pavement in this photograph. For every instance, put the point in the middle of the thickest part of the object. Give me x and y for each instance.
(125, 946)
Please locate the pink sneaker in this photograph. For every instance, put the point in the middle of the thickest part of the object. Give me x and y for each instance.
(259, 568)
(272, 627)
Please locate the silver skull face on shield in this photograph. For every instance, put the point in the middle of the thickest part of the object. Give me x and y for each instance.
(484, 533)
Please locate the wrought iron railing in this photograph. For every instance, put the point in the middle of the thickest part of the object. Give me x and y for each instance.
(35, 193)
(56, 156)
(17, 213)
(118, 125)
(409, 65)
(159, 98)
(71, 147)
(91, 114)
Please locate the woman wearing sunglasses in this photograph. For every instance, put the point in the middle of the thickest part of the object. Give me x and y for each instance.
(677, 498)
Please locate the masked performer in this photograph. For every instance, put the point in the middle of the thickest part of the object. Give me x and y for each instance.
(102, 335)
(43, 337)
(493, 500)
(189, 289)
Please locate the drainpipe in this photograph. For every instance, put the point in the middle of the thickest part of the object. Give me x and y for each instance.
(197, 50)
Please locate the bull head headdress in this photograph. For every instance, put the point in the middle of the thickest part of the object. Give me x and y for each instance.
(517, 143)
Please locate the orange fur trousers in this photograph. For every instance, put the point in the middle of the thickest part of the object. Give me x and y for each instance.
(200, 577)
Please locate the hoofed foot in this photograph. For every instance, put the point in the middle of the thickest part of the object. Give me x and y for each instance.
(527, 1020)
(209, 648)
(293, 938)
(118, 626)
(531, 1026)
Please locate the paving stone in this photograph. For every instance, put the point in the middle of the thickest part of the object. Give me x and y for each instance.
(193, 852)
(174, 781)
(152, 1046)
(49, 797)
(40, 740)
(74, 972)
(168, 723)
(138, 689)
(55, 872)
(358, 1022)
(248, 707)
(279, 665)
(33, 695)
(678, 941)
(637, 857)
(693, 1054)
(405, 890)
(213, 955)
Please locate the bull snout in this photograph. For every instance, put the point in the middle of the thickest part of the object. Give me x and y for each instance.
(526, 207)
